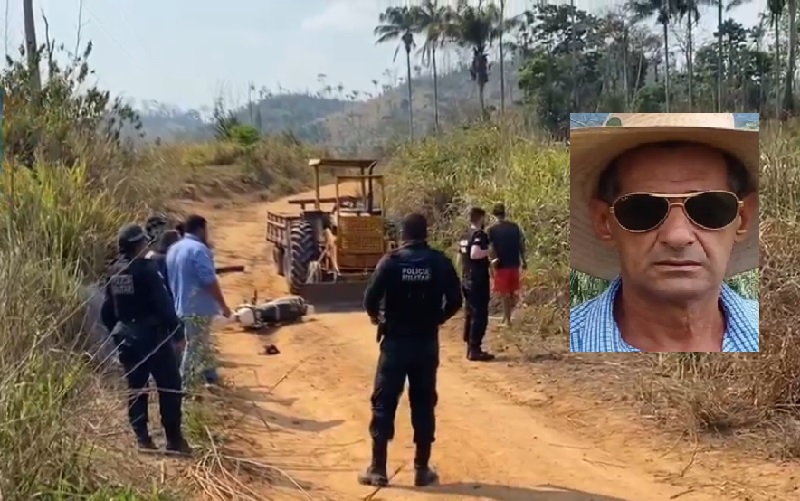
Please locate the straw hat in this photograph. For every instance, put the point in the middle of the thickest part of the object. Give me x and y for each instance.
(593, 148)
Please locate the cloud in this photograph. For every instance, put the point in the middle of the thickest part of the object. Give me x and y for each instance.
(350, 16)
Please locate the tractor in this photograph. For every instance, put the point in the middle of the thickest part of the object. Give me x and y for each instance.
(328, 254)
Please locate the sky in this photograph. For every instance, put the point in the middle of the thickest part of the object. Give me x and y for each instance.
(187, 52)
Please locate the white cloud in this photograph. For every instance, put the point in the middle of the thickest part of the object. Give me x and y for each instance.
(344, 16)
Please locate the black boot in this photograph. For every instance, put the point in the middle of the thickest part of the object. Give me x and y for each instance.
(478, 355)
(423, 473)
(144, 442)
(177, 444)
(375, 474)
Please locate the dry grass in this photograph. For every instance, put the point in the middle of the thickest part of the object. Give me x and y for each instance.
(750, 400)
(274, 166)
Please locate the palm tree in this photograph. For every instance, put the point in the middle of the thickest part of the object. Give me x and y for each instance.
(788, 95)
(432, 20)
(689, 10)
(776, 9)
(665, 10)
(476, 28)
(401, 23)
(722, 6)
(502, 57)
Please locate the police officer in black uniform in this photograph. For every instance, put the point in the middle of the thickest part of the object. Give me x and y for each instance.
(140, 315)
(420, 290)
(474, 250)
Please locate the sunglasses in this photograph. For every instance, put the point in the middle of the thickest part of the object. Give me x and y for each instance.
(709, 210)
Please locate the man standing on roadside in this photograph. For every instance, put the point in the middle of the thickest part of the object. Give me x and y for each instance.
(508, 244)
(198, 298)
(474, 255)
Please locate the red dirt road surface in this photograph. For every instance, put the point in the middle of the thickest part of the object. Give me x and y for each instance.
(496, 439)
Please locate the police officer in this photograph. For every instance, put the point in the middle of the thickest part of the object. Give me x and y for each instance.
(155, 225)
(420, 290)
(139, 313)
(474, 254)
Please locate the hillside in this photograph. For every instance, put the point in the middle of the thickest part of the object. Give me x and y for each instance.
(346, 125)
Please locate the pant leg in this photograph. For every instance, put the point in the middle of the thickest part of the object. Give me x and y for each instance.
(390, 378)
(467, 316)
(197, 356)
(136, 363)
(422, 396)
(479, 303)
(164, 368)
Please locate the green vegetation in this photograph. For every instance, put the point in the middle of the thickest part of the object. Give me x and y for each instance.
(58, 216)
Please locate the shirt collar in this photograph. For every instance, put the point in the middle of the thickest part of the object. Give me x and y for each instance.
(598, 331)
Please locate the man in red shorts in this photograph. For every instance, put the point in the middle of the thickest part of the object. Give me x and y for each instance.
(508, 246)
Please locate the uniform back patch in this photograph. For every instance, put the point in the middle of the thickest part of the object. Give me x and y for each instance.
(416, 274)
(122, 285)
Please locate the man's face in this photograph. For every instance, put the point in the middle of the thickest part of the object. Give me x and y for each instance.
(677, 260)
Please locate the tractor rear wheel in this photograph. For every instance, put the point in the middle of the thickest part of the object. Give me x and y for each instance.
(302, 249)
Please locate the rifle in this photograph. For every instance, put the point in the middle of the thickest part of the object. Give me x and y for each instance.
(228, 269)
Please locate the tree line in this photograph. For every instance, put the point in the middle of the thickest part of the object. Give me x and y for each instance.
(643, 56)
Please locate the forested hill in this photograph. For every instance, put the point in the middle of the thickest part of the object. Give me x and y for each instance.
(337, 117)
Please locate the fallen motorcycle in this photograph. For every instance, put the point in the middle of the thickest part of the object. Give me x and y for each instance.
(281, 311)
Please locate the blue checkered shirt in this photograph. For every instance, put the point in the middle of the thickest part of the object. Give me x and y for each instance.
(592, 327)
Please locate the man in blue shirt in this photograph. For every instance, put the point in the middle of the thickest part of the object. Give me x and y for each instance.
(665, 205)
(198, 298)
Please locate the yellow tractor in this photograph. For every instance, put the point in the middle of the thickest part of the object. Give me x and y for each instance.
(327, 254)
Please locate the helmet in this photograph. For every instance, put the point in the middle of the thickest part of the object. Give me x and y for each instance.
(155, 225)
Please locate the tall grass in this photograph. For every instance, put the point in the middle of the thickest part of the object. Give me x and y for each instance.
(55, 228)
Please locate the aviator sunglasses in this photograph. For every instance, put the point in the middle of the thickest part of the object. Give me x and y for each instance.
(709, 210)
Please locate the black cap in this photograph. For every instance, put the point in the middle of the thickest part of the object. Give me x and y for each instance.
(499, 209)
(414, 227)
(131, 234)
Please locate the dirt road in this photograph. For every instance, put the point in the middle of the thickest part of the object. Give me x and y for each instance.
(312, 411)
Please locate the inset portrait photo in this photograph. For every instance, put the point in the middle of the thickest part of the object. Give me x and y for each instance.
(664, 244)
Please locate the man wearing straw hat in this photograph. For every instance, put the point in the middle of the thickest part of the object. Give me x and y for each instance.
(665, 206)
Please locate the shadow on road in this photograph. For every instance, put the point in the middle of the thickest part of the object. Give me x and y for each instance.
(507, 493)
(281, 421)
